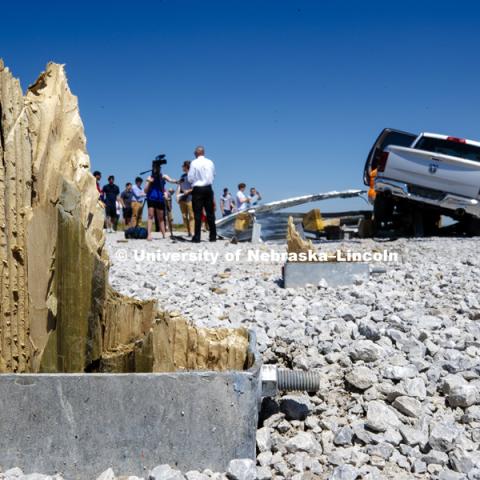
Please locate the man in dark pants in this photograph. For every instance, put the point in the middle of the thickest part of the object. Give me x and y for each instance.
(111, 194)
(201, 175)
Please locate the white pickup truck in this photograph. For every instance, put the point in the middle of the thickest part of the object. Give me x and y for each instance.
(419, 178)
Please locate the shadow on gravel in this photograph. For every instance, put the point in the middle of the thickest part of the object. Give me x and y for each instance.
(269, 407)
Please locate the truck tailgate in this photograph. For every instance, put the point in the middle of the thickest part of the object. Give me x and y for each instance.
(433, 171)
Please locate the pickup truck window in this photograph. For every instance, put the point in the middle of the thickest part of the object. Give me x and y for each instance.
(387, 137)
(397, 138)
(449, 147)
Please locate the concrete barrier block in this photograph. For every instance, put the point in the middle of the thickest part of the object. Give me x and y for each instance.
(81, 424)
(299, 274)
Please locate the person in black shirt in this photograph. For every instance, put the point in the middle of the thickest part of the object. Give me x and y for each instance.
(127, 197)
(111, 193)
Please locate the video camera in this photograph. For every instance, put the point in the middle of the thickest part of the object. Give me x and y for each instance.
(156, 165)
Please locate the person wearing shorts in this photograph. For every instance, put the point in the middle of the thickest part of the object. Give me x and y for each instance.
(111, 194)
(155, 190)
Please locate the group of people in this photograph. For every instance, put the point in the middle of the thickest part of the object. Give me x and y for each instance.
(242, 202)
(194, 194)
(129, 202)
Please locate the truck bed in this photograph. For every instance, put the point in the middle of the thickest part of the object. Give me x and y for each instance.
(432, 171)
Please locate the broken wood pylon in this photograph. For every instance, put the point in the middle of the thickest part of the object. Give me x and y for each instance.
(57, 310)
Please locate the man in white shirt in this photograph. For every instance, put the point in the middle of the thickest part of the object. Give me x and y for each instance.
(201, 175)
(242, 200)
(137, 201)
(226, 203)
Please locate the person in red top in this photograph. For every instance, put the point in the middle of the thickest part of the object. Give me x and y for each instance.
(204, 217)
(98, 177)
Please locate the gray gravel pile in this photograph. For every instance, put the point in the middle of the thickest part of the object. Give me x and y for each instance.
(399, 356)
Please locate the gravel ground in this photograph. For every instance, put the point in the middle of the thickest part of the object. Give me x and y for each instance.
(398, 355)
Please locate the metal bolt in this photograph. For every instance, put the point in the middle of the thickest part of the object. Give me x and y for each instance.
(275, 379)
(297, 380)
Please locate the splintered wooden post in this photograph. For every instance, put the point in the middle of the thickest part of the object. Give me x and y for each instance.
(57, 310)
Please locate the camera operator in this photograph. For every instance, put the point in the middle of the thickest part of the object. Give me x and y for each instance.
(200, 175)
(155, 190)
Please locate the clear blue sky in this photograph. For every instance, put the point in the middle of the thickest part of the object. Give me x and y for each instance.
(285, 95)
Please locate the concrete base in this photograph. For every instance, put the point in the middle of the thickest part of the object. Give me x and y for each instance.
(299, 274)
(256, 233)
(81, 424)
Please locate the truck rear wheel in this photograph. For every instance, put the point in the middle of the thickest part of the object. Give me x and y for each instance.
(431, 223)
(418, 224)
(472, 226)
(382, 212)
(425, 223)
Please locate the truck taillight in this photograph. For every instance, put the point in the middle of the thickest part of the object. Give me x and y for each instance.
(382, 162)
(456, 139)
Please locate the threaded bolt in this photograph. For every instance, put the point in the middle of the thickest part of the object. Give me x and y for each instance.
(296, 380)
(275, 379)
